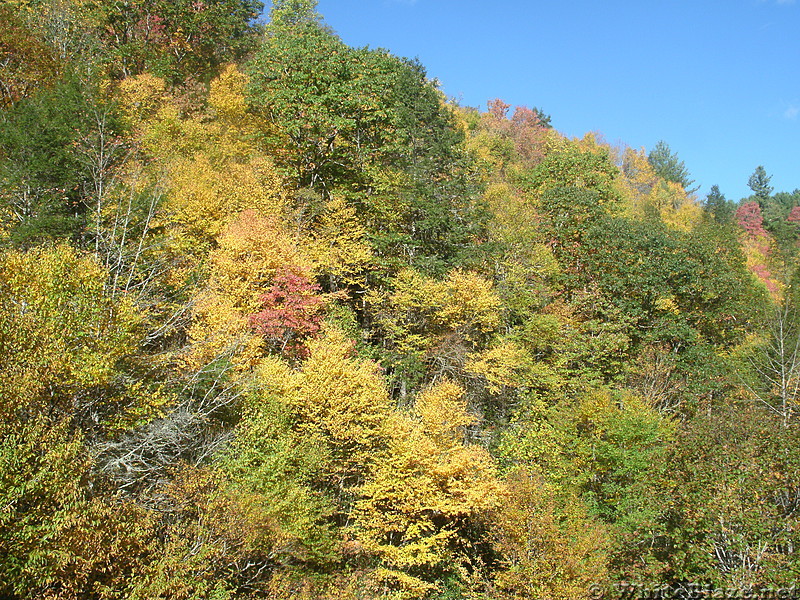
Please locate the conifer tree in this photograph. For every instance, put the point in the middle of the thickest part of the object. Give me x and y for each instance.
(759, 183)
(669, 167)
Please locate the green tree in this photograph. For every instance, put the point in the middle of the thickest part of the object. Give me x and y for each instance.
(178, 40)
(607, 449)
(368, 127)
(289, 14)
(732, 506)
(716, 205)
(42, 174)
(759, 183)
(573, 165)
(668, 166)
(668, 280)
(778, 220)
(270, 458)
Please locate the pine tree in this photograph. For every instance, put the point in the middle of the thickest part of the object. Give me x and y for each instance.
(717, 206)
(759, 183)
(667, 165)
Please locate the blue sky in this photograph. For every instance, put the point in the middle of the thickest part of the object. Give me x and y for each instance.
(718, 80)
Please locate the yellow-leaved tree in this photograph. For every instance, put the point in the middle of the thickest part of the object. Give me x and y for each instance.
(210, 160)
(61, 335)
(207, 196)
(338, 245)
(342, 400)
(637, 181)
(645, 194)
(433, 325)
(251, 251)
(429, 493)
(676, 208)
(503, 376)
(308, 440)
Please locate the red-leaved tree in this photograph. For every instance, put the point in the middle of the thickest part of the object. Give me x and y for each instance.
(291, 313)
(749, 218)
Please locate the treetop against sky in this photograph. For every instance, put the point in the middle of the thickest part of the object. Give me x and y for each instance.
(716, 79)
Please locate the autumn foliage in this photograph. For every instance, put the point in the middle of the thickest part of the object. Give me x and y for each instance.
(279, 320)
(291, 312)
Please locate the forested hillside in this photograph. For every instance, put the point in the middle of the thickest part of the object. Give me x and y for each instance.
(279, 320)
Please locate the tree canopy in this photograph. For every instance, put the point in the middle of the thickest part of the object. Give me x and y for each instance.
(280, 320)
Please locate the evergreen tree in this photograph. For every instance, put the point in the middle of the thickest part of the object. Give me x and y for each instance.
(717, 206)
(668, 166)
(42, 175)
(759, 183)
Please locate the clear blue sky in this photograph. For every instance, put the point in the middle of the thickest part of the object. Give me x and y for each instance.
(718, 80)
